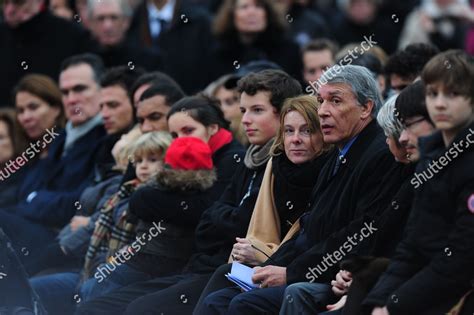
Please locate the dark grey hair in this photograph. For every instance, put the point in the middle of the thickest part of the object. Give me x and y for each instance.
(388, 120)
(360, 79)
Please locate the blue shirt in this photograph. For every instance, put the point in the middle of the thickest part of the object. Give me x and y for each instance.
(342, 153)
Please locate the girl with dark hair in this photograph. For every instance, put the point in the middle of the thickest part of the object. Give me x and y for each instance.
(248, 30)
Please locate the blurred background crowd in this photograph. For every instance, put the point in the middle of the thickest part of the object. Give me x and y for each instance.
(197, 41)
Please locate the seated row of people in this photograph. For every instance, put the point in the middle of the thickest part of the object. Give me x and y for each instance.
(317, 204)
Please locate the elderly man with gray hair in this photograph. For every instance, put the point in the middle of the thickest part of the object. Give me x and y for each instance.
(354, 188)
(388, 119)
(109, 21)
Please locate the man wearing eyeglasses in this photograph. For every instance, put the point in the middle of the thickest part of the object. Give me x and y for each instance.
(410, 109)
(34, 40)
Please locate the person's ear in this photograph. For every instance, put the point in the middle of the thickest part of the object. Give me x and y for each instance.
(126, 23)
(367, 108)
(212, 129)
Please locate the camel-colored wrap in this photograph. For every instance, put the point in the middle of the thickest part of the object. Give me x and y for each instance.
(264, 227)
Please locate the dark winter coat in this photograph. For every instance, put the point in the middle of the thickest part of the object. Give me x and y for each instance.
(345, 32)
(433, 265)
(392, 222)
(306, 24)
(181, 209)
(390, 227)
(229, 54)
(9, 188)
(171, 248)
(126, 54)
(59, 181)
(183, 45)
(37, 46)
(225, 220)
(342, 205)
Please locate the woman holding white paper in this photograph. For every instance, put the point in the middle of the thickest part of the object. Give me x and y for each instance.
(298, 155)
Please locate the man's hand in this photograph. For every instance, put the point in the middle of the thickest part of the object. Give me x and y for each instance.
(336, 306)
(243, 252)
(78, 221)
(380, 311)
(343, 281)
(269, 276)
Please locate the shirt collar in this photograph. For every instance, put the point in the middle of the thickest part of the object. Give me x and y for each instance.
(347, 146)
(75, 133)
(166, 13)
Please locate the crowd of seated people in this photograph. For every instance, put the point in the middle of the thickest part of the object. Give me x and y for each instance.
(150, 148)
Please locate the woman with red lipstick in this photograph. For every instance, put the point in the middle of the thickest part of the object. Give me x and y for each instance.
(432, 269)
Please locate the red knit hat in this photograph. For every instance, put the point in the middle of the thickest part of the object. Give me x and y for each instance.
(189, 153)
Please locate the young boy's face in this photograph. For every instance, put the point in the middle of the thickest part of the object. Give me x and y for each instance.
(148, 165)
(260, 118)
(449, 111)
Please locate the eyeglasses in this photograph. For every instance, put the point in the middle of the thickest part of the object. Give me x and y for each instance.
(412, 123)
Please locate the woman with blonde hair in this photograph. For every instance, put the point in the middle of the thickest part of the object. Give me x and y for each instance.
(298, 155)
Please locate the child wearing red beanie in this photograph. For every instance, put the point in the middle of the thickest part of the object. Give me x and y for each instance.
(165, 236)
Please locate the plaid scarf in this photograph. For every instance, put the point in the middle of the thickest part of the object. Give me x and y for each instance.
(110, 236)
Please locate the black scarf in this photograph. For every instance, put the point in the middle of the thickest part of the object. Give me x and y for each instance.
(293, 186)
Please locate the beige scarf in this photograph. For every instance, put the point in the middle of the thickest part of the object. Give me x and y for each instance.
(264, 227)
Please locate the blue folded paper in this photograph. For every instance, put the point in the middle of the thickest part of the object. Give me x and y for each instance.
(241, 275)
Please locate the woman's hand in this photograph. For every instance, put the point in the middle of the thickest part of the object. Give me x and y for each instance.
(380, 311)
(343, 281)
(79, 221)
(243, 252)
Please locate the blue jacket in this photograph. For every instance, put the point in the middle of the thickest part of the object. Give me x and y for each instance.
(51, 189)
